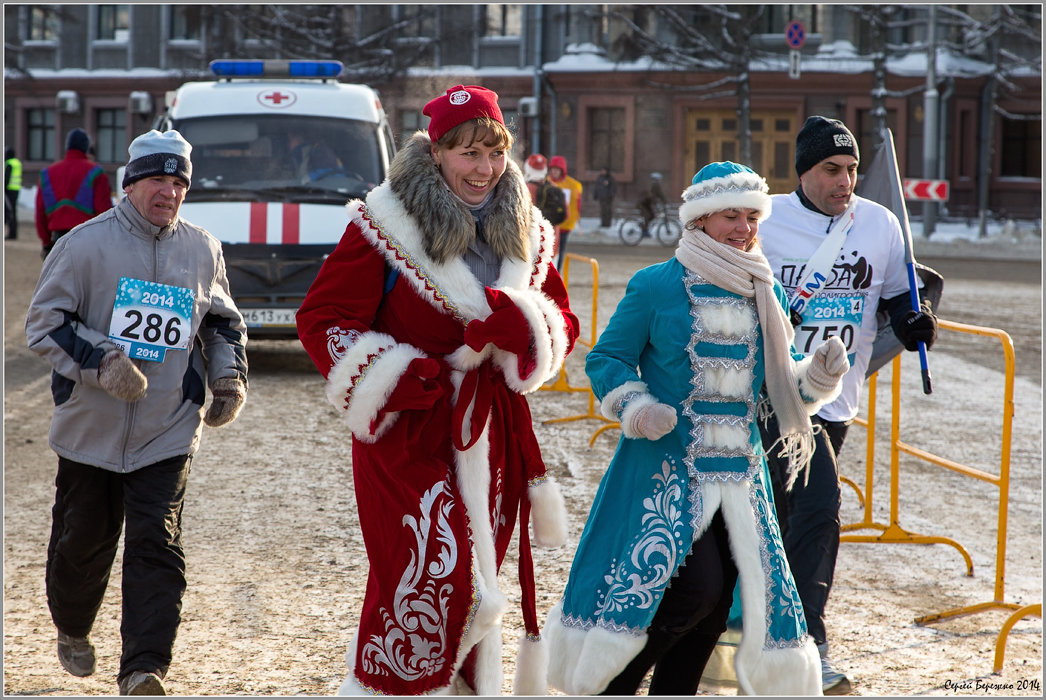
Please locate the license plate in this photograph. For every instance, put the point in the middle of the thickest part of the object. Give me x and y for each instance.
(268, 317)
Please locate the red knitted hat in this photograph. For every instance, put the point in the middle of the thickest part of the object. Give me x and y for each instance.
(460, 104)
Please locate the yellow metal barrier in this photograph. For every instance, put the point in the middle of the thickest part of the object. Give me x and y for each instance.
(1000, 642)
(893, 533)
(562, 382)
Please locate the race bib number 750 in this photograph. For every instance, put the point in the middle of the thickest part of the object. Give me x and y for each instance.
(826, 316)
(151, 318)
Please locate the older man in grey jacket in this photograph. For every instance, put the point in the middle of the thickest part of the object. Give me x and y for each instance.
(133, 313)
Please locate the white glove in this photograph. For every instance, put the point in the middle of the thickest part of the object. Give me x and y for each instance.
(227, 397)
(828, 366)
(120, 378)
(653, 421)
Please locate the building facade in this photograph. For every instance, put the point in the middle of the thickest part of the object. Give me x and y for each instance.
(635, 88)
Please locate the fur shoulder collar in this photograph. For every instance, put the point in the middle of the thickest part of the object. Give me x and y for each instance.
(401, 224)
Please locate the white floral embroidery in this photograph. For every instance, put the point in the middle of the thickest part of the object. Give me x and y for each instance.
(635, 583)
(415, 640)
(339, 341)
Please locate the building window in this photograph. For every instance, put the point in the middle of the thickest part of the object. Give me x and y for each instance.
(1021, 148)
(110, 134)
(606, 138)
(410, 121)
(40, 134)
(42, 24)
(503, 20)
(185, 22)
(417, 20)
(114, 23)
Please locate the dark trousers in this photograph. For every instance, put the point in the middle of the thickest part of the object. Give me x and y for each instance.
(809, 517)
(688, 622)
(563, 235)
(606, 212)
(11, 212)
(91, 507)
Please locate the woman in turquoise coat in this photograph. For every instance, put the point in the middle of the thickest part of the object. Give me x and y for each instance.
(699, 348)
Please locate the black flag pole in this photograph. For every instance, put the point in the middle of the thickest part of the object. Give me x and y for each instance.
(893, 181)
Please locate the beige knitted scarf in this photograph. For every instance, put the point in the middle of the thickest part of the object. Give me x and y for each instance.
(748, 274)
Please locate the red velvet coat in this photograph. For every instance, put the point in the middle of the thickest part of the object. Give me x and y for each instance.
(442, 465)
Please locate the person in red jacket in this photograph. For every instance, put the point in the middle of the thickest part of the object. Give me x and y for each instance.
(437, 314)
(70, 191)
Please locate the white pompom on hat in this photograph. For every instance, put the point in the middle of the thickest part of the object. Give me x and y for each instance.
(725, 185)
(158, 153)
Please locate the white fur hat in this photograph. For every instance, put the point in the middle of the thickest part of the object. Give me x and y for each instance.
(724, 185)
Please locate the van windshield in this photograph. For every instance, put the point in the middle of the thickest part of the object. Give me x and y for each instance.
(292, 158)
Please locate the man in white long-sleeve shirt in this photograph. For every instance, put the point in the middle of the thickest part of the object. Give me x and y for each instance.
(838, 297)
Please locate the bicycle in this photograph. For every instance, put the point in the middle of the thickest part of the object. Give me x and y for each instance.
(666, 228)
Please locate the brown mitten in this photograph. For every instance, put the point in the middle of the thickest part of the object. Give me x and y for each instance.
(227, 397)
(120, 378)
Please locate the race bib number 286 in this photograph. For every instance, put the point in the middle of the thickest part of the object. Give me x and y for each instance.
(151, 318)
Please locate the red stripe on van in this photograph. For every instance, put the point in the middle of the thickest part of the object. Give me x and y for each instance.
(291, 222)
(258, 223)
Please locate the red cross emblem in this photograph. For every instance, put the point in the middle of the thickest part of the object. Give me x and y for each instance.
(277, 98)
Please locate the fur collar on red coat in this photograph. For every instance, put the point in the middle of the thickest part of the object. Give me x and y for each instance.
(445, 220)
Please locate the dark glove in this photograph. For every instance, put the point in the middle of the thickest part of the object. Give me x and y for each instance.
(120, 378)
(418, 388)
(915, 327)
(505, 327)
(227, 397)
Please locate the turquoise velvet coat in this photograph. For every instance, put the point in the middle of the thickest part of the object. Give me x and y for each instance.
(678, 340)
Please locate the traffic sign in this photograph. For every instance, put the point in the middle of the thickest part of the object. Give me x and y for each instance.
(795, 34)
(794, 60)
(931, 190)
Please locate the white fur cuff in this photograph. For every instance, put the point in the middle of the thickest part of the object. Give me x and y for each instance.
(813, 397)
(365, 377)
(548, 513)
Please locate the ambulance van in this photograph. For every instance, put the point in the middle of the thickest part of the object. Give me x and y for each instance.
(278, 148)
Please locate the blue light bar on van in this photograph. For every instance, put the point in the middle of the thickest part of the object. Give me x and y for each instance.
(275, 69)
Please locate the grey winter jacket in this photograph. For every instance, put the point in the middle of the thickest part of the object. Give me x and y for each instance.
(68, 325)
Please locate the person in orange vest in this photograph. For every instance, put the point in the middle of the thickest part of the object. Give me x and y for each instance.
(70, 191)
(557, 175)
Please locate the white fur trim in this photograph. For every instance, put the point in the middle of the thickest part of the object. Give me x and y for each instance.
(583, 662)
(531, 667)
(556, 326)
(728, 319)
(453, 280)
(606, 406)
(729, 382)
(728, 437)
(548, 514)
(473, 479)
(374, 365)
(603, 655)
(566, 642)
(785, 671)
(760, 671)
(490, 674)
(813, 398)
(745, 191)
